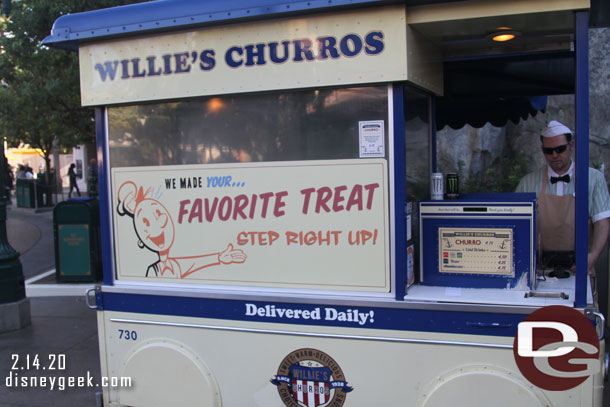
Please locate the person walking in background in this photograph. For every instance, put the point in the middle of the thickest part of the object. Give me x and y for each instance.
(73, 184)
(21, 172)
(29, 174)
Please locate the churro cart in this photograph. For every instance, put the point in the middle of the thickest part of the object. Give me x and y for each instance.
(260, 242)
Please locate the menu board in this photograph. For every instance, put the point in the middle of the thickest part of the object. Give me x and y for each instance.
(476, 251)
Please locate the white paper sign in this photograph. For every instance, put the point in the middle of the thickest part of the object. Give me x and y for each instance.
(372, 138)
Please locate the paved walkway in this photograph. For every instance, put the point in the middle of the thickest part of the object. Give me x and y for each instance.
(31, 234)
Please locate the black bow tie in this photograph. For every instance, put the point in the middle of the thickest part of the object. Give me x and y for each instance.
(565, 178)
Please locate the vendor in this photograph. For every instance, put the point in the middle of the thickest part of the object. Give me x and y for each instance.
(554, 187)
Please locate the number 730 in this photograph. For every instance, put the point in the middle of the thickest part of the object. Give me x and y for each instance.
(128, 335)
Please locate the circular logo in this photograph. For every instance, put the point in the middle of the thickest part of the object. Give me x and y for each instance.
(309, 377)
(556, 348)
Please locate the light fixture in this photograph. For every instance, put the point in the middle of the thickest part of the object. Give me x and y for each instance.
(503, 34)
(215, 105)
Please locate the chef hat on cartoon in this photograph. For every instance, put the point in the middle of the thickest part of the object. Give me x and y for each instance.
(127, 198)
(554, 128)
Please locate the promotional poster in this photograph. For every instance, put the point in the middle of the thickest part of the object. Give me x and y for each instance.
(309, 224)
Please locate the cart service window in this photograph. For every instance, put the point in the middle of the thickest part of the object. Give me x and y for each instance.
(282, 190)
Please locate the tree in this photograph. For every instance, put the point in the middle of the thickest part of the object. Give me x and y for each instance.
(40, 94)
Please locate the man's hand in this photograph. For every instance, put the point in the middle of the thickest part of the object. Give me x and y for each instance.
(590, 263)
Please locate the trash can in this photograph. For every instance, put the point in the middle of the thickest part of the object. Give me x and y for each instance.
(76, 227)
(24, 189)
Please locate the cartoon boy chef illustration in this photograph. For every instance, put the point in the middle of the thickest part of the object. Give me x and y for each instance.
(154, 228)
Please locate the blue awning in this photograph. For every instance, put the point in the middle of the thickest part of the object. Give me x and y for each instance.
(170, 15)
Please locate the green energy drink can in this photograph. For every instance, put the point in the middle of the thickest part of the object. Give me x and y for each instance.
(452, 182)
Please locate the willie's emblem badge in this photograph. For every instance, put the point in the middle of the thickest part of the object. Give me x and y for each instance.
(311, 378)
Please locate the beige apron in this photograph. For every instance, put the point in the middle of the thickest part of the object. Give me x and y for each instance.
(555, 219)
(556, 224)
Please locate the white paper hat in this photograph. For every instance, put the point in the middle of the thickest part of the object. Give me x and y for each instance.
(554, 129)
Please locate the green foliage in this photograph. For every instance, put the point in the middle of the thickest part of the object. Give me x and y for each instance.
(502, 177)
(40, 93)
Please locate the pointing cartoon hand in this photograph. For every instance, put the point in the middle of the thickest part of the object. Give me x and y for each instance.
(230, 255)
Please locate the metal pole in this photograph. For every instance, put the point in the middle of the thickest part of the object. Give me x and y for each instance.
(58, 185)
(582, 155)
(12, 287)
(35, 194)
(14, 306)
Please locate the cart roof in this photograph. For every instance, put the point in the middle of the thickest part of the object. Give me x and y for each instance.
(170, 15)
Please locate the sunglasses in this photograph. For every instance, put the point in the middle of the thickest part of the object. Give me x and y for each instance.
(558, 149)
